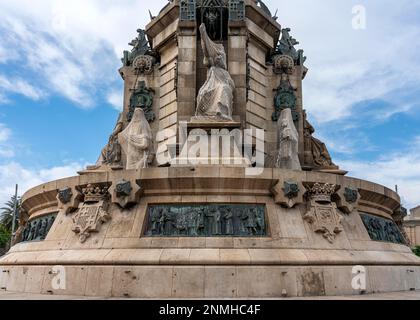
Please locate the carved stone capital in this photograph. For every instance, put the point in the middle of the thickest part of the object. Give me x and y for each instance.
(68, 199)
(347, 199)
(288, 193)
(126, 193)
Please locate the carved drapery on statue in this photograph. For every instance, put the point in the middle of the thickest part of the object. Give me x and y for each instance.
(288, 152)
(316, 152)
(210, 220)
(137, 142)
(215, 98)
(111, 153)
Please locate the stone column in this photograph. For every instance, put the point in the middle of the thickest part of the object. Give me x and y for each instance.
(237, 65)
(186, 69)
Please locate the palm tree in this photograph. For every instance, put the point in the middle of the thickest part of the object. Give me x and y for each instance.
(6, 213)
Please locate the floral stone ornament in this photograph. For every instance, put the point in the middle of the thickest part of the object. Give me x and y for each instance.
(93, 212)
(322, 213)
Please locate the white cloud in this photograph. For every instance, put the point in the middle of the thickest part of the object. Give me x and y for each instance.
(400, 169)
(73, 47)
(347, 66)
(5, 134)
(20, 86)
(115, 98)
(12, 173)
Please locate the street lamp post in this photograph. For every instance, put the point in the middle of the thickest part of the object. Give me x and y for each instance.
(14, 213)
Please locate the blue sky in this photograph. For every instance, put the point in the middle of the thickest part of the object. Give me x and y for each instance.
(60, 90)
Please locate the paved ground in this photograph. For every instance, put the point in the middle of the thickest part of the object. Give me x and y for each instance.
(412, 295)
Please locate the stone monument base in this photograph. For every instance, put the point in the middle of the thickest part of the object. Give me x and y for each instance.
(286, 254)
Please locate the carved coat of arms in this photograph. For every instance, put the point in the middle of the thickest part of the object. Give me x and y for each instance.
(92, 213)
(323, 213)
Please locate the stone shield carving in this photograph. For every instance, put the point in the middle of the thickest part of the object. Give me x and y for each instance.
(322, 213)
(142, 97)
(93, 212)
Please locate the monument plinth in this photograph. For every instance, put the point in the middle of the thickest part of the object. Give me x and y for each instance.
(216, 82)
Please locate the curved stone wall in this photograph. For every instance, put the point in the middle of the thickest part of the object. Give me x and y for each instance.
(294, 251)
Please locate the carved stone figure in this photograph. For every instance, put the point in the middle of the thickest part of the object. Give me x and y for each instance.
(111, 153)
(137, 142)
(142, 50)
(215, 98)
(316, 153)
(288, 149)
(287, 45)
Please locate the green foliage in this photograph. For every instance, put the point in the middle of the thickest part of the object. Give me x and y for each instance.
(4, 236)
(416, 251)
(6, 213)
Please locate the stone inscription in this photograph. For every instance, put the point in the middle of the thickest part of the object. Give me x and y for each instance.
(213, 220)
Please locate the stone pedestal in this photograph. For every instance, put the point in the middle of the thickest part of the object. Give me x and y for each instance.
(293, 257)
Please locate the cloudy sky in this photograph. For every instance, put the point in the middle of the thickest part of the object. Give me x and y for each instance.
(60, 91)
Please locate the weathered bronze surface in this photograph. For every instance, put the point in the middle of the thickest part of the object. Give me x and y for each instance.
(37, 229)
(381, 229)
(209, 220)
